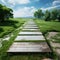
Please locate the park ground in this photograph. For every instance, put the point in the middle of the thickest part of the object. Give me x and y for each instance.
(50, 30)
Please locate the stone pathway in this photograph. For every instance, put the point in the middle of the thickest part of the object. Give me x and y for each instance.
(30, 32)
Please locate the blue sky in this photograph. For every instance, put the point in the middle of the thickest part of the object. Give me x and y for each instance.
(26, 8)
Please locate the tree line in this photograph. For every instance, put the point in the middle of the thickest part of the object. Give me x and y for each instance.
(48, 15)
(5, 13)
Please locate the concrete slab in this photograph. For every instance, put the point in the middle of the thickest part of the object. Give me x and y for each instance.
(29, 47)
(30, 33)
(57, 50)
(18, 38)
(31, 27)
(55, 45)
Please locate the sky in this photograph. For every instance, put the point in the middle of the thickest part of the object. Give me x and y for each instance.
(26, 8)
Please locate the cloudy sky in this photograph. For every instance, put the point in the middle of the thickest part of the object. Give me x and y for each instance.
(26, 8)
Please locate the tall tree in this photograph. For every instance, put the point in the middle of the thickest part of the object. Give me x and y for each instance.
(38, 14)
(54, 14)
(58, 16)
(5, 13)
(47, 15)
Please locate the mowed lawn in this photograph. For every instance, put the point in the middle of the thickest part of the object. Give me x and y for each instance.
(48, 26)
(10, 25)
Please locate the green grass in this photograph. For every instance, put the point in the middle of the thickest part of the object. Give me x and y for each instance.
(30, 41)
(6, 44)
(10, 25)
(50, 26)
(29, 56)
(46, 26)
(56, 38)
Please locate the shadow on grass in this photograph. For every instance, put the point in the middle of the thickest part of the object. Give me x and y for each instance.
(1, 30)
(30, 55)
(9, 23)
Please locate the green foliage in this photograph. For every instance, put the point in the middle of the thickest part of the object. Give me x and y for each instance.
(10, 25)
(38, 14)
(46, 26)
(53, 14)
(47, 15)
(7, 44)
(5, 13)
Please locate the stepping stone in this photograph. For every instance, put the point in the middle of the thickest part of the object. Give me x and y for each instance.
(55, 45)
(57, 50)
(27, 38)
(31, 27)
(29, 47)
(30, 33)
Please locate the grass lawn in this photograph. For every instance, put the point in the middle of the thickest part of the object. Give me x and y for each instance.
(47, 26)
(10, 25)
(50, 26)
(44, 28)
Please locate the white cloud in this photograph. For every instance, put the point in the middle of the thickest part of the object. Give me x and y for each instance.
(19, 1)
(25, 12)
(56, 2)
(44, 9)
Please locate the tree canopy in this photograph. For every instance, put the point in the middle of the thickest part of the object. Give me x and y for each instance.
(38, 14)
(5, 13)
(53, 14)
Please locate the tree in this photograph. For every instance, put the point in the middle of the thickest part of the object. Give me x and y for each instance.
(47, 15)
(38, 14)
(5, 13)
(54, 14)
(58, 16)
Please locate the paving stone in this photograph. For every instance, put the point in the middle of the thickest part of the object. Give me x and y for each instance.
(29, 47)
(30, 33)
(57, 50)
(56, 45)
(29, 38)
(31, 27)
